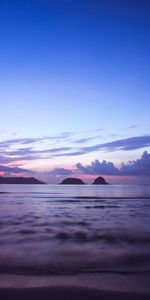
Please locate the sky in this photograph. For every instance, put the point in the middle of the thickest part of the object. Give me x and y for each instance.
(74, 89)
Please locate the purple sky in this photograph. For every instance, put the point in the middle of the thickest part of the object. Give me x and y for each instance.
(75, 89)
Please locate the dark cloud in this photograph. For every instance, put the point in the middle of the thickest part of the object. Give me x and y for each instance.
(60, 171)
(132, 143)
(24, 141)
(139, 167)
(7, 154)
(19, 152)
(14, 170)
(31, 151)
(28, 154)
(97, 167)
(20, 141)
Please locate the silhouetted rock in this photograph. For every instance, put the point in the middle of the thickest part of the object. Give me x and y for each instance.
(100, 180)
(20, 180)
(72, 181)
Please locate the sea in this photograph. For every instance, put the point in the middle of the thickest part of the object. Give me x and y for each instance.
(89, 231)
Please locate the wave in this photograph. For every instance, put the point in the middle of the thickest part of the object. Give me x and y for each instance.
(74, 233)
(59, 196)
(39, 270)
(102, 206)
(105, 237)
(113, 197)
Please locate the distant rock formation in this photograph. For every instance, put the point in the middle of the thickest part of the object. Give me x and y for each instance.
(100, 180)
(72, 181)
(20, 180)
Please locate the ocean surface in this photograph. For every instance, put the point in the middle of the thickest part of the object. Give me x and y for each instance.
(55, 229)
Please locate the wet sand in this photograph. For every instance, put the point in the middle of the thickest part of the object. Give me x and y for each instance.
(67, 293)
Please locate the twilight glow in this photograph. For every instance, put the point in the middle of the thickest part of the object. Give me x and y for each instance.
(75, 89)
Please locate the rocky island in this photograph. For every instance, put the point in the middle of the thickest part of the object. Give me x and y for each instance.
(20, 180)
(72, 181)
(100, 180)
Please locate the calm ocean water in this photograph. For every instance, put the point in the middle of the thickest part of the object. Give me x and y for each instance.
(49, 229)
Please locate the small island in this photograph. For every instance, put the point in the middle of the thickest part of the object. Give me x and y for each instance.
(20, 180)
(100, 180)
(72, 181)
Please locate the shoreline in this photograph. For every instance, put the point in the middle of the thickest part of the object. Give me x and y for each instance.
(67, 293)
(102, 282)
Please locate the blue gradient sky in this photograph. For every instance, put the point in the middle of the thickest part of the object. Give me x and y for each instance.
(73, 75)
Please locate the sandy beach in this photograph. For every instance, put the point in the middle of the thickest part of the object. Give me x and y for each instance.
(67, 293)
